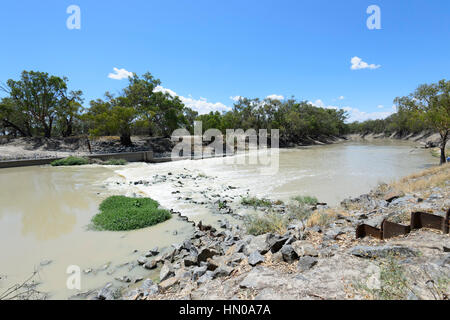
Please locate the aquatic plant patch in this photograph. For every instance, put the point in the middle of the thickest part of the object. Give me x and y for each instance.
(120, 213)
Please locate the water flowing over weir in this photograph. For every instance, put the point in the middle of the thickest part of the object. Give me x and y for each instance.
(44, 211)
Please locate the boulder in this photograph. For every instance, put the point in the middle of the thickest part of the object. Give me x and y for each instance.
(142, 260)
(166, 284)
(255, 258)
(206, 253)
(276, 242)
(166, 272)
(306, 263)
(198, 272)
(150, 265)
(304, 248)
(259, 244)
(382, 251)
(288, 253)
(190, 261)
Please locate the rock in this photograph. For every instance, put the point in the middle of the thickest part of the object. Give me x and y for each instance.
(166, 272)
(142, 260)
(259, 244)
(277, 257)
(190, 261)
(206, 253)
(306, 263)
(332, 234)
(45, 262)
(276, 242)
(403, 200)
(177, 246)
(106, 293)
(198, 272)
(382, 251)
(124, 279)
(304, 248)
(166, 284)
(150, 265)
(389, 197)
(154, 251)
(255, 258)
(208, 276)
(187, 244)
(222, 271)
(289, 254)
(149, 288)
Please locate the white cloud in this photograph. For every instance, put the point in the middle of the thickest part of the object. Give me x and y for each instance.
(202, 106)
(380, 106)
(235, 98)
(120, 74)
(358, 63)
(275, 97)
(341, 98)
(358, 115)
(355, 114)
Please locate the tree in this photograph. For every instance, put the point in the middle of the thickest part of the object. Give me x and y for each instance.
(36, 101)
(431, 103)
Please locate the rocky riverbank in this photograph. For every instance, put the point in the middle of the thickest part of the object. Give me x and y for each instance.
(312, 254)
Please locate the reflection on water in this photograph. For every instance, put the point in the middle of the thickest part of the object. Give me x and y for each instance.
(47, 202)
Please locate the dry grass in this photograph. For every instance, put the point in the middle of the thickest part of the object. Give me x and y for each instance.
(429, 178)
(324, 217)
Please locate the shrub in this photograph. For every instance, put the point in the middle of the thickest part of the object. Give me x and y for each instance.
(255, 202)
(70, 161)
(119, 213)
(306, 200)
(260, 224)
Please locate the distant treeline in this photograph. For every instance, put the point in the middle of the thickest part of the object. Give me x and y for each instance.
(401, 123)
(39, 104)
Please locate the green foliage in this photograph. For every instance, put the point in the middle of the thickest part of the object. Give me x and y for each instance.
(119, 213)
(255, 202)
(70, 161)
(306, 200)
(36, 103)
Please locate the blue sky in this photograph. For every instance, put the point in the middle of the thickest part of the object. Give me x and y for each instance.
(210, 51)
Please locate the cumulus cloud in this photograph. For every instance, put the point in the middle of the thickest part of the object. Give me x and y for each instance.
(354, 114)
(341, 98)
(120, 74)
(236, 98)
(358, 64)
(358, 115)
(202, 105)
(275, 97)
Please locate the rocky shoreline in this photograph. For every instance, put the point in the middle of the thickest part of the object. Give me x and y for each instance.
(314, 258)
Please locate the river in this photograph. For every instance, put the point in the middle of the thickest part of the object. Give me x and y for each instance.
(45, 211)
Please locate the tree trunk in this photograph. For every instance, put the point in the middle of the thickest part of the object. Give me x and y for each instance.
(444, 139)
(125, 140)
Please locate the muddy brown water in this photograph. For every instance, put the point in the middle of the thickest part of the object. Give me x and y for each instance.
(45, 211)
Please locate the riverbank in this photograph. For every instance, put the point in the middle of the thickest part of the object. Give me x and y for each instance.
(218, 192)
(316, 258)
(53, 148)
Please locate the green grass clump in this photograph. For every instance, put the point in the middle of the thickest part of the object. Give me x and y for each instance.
(119, 213)
(255, 202)
(306, 200)
(70, 161)
(115, 162)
